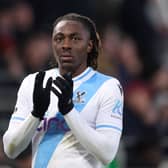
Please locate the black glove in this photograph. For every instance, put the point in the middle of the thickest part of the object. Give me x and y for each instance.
(41, 96)
(65, 84)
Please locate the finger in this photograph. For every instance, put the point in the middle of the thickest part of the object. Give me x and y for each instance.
(62, 84)
(39, 79)
(68, 76)
(55, 91)
(41, 75)
(48, 85)
(59, 82)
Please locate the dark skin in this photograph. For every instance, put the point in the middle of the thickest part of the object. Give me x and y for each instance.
(71, 45)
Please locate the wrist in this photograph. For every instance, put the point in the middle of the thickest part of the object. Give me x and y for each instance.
(68, 108)
(36, 115)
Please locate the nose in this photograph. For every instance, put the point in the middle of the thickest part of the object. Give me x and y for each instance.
(66, 44)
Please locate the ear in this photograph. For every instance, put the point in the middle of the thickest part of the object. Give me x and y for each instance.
(90, 46)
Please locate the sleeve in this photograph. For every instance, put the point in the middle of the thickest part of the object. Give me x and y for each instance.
(24, 102)
(110, 116)
(103, 141)
(22, 124)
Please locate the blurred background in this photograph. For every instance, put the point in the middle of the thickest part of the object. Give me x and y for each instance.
(134, 36)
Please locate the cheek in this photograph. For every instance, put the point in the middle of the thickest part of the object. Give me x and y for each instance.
(82, 50)
(55, 49)
(55, 53)
(54, 46)
(81, 53)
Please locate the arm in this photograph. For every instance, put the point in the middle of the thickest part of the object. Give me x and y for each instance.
(30, 109)
(103, 144)
(19, 135)
(104, 140)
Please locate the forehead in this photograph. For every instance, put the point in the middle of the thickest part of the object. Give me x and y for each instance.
(69, 27)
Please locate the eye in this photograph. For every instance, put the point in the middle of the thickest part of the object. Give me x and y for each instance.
(58, 39)
(76, 38)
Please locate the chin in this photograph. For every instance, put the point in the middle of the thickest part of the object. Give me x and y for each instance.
(67, 67)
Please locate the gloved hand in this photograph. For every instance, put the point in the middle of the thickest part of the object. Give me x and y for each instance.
(41, 96)
(65, 85)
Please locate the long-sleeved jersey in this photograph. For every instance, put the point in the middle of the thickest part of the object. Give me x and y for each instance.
(87, 137)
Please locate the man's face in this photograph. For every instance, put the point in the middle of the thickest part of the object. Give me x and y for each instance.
(71, 45)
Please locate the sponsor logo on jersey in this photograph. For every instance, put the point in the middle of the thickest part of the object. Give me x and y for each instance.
(117, 109)
(54, 125)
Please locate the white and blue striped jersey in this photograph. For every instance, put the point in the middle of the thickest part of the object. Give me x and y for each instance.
(99, 101)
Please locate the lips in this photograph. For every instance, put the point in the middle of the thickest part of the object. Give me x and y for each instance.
(66, 57)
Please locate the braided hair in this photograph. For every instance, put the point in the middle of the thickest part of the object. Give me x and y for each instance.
(94, 37)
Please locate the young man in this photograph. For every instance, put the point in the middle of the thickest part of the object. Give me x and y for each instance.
(72, 114)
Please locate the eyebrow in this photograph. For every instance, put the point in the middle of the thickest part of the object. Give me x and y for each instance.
(71, 34)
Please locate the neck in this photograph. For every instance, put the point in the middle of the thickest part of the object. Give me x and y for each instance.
(73, 71)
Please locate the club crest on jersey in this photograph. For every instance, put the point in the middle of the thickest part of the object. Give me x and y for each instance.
(79, 97)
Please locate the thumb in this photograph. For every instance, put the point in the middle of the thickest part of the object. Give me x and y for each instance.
(68, 77)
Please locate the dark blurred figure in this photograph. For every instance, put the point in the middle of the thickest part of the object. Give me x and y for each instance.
(46, 11)
(136, 23)
(24, 20)
(36, 52)
(111, 43)
(121, 58)
(10, 64)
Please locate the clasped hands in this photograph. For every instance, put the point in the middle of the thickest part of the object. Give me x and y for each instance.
(63, 89)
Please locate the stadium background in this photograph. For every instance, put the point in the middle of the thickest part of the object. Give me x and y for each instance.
(134, 36)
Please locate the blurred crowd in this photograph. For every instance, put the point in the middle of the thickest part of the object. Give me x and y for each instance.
(134, 35)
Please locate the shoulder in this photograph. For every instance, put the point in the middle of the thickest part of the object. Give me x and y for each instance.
(107, 79)
(29, 79)
(52, 73)
(110, 85)
(48, 73)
